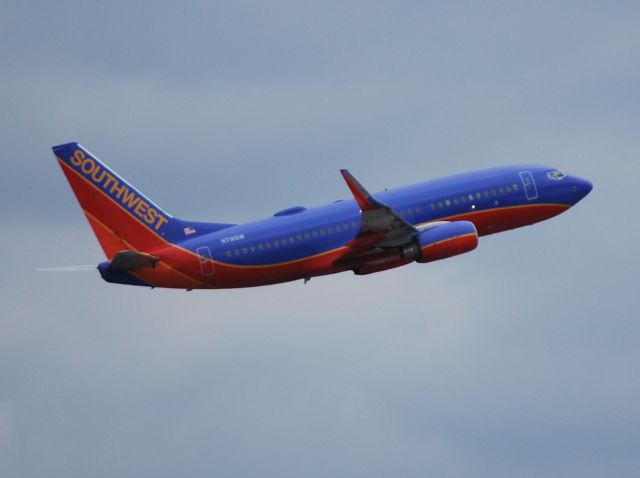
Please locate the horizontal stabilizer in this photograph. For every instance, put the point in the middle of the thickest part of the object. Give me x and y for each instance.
(129, 260)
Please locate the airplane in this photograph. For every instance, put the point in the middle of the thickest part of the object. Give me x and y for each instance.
(425, 222)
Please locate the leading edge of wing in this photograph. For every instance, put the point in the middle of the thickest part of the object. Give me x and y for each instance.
(381, 226)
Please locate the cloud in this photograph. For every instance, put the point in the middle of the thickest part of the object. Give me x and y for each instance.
(518, 359)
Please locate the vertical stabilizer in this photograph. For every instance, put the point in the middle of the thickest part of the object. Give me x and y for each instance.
(120, 215)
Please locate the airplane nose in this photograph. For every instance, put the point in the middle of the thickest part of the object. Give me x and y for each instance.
(581, 187)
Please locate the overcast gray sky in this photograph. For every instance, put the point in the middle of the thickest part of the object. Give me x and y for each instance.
(520, 359)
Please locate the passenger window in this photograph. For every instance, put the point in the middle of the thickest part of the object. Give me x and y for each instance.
(515, 187)
(306, 236)
(237, 252)
(228, 254)
(299, 237)
(456, 200)
(508, 188)
(291, 239)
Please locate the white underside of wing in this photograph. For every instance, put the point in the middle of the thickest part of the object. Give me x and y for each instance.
(430, 225)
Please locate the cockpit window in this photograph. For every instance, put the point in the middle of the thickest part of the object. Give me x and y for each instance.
(556, 175)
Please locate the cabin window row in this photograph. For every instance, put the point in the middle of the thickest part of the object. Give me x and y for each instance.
(293, 239)
(472, 197)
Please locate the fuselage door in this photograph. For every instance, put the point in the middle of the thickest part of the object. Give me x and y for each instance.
(529, 184)
(206, 260)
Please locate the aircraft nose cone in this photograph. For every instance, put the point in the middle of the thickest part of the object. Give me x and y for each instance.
(581, 187)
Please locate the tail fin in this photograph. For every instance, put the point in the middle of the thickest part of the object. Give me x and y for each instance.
(121, 216)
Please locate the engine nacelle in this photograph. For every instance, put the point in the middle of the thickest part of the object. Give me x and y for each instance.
(446, 240)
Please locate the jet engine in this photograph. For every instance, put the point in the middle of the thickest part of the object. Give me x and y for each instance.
(442, 241)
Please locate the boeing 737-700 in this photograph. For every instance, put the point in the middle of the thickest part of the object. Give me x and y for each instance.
(425, 222)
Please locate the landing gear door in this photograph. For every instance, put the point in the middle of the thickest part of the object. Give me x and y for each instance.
(206, 261)
(529, 184)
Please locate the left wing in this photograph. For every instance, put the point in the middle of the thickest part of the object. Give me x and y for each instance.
(385, 239)
(381, 226)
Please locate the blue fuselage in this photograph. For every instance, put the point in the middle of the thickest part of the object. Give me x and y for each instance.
(433, 220)
(524, 194)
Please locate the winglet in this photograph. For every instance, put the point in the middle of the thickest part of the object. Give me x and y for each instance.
(364, 199)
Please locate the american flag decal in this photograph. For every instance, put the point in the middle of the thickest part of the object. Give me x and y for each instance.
(188, 230)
